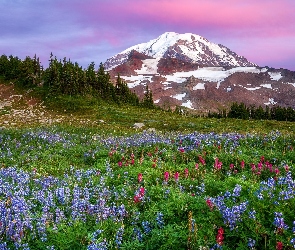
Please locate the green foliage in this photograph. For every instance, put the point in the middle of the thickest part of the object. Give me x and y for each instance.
(63, 77)
(87, 160)
(124, 94)
(240, 111)
(10, 67)
(148, 101)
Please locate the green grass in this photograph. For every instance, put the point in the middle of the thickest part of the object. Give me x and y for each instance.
(119, 118)
(73, 155)
(89, 112)
(38, 163)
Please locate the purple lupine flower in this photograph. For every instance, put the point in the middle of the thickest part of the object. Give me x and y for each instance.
(237, 190)
(137, 234)
(252, 214)
(160, 219)
(119, 237)
(279, 221)
(251, 243)
(146, 227)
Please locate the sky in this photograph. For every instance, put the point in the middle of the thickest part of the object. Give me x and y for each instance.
(88, 31)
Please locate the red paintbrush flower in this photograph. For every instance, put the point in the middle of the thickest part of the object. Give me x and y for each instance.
(279, 245)
(139, 177)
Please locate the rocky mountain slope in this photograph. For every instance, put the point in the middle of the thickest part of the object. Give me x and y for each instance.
(188, 70)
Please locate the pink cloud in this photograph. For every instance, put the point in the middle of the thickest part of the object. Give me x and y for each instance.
(73, 27)
(129, 22)
(261, 17)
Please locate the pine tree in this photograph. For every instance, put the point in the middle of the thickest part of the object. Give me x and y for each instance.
(267, 114)
(148, 101)
(30, 72)
(91, 78)
(52, 75)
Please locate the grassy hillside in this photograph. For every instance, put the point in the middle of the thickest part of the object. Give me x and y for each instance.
(26, 108)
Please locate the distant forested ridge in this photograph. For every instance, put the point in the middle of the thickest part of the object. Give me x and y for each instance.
(241, 111)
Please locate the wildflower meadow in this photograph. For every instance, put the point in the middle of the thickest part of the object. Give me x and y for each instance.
(78, 189)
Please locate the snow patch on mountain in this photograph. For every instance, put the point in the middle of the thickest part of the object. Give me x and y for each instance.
(136, 80)
(210, 74)
(252, 89)
(187, 104)
(267, 85)
(271, 101)
(149, 66)
(199, 86)
(275, 75)
(178, 96)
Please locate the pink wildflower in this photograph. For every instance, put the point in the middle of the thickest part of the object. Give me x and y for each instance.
(176, 176)
(202, 161)
(181, 150)
(260, 166)
(217, 164)
(242, 164)
(141, 191)
(210, 204)
(166, 176)
(279, 245)
(136, 199)
(186, 172)
(220, 237)
(139, 177)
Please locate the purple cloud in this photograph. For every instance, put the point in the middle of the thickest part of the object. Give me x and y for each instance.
(262, 31)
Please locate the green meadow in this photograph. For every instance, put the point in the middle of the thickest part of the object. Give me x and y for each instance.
(93, 181)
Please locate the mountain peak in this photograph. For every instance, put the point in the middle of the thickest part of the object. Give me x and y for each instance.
(187, 47)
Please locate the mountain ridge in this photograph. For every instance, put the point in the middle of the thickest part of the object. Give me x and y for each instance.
(200, 77)
(187, 47)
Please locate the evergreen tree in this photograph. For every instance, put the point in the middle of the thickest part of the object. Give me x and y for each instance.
(259, 113)
(30, 72)
(103, 82)
(4, 66)
(267, 114)
(10, 67)
(290, 114)
(239, 111)
(52, 75)
(148, 101)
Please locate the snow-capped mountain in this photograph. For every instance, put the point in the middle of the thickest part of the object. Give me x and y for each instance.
(187, 70)
(186, 47)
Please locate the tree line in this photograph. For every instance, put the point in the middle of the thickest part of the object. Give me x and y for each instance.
(64, 77)
(241, 111)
